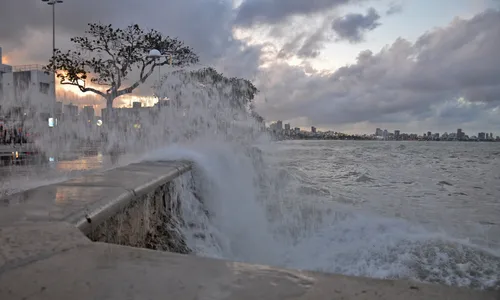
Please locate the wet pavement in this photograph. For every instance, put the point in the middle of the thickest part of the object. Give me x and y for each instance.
(22, 172)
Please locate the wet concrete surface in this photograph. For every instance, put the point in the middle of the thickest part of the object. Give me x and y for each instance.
(36, 169)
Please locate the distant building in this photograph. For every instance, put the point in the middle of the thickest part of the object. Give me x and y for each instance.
(429, 135)
(481, 136)
(130, 115)
(88, 113)
(25, 90)
(378, 132)
(58, 109)
(297, 129)
(397, 134)
(313, 129)
(460, 134)
(385, 134)
(279, 125)
(287, 127)
(70, 110)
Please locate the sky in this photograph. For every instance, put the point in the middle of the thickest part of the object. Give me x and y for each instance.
(342, 65)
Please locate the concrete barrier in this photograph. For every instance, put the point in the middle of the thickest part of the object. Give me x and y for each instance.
(72, 240)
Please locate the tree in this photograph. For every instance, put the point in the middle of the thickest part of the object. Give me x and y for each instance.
(109, 55)
(240, 91)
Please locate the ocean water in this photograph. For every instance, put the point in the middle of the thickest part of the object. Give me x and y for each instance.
(422, 211)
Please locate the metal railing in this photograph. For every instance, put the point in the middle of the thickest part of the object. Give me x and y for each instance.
(33, 67)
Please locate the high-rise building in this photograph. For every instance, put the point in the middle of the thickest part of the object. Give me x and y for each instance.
(378, 132)
(287, 127)
(429, 135)
(279, 125)
(460, 134)
(88, 113)
(385, 133)
(481, 136)
(397, 134)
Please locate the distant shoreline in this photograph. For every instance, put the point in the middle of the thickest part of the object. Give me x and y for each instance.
(378, 140)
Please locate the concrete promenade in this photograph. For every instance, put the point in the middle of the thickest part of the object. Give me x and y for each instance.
(45, 253)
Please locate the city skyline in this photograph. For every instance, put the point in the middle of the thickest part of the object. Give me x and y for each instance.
(459, 133)
(343, 65)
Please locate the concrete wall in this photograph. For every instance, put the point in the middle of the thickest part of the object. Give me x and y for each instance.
(151, 221)
(46, 253)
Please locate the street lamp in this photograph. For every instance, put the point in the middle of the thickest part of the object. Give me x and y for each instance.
(156, 54)
(53, 4)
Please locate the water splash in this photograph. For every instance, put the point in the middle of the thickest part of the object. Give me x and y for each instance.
(243, 205)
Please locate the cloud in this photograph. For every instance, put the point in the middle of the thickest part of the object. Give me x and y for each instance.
(252, 12)
(404, 82)
(352, 27)
(210, 34)
(394, 8)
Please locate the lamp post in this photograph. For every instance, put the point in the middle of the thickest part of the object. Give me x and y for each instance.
(53, 4)
(156, 54)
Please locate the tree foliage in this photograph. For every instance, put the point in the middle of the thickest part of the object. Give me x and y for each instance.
(108, 56)
(240, 91)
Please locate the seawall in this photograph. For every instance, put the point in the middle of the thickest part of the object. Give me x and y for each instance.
(115, 235)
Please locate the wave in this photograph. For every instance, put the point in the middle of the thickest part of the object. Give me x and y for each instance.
(245, 203)
(249, 212)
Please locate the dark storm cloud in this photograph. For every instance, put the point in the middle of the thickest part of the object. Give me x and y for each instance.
(203, 24)
(352, 27)
(410, 79)
(252, 12)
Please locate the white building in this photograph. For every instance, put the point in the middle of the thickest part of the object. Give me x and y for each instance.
(26, 91)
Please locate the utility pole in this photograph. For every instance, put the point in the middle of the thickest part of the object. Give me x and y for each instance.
(53, 4)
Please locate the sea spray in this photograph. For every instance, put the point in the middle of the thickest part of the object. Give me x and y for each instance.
(225, 181)
(246, 204)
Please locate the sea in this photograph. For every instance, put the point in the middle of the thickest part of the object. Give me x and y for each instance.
(426, 211)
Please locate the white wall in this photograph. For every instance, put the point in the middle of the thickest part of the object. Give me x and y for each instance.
(33, 94)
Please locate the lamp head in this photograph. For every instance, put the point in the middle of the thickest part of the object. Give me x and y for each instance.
(154, 53)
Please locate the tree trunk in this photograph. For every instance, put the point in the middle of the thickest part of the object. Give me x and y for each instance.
(109, 108)
(110, 116)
